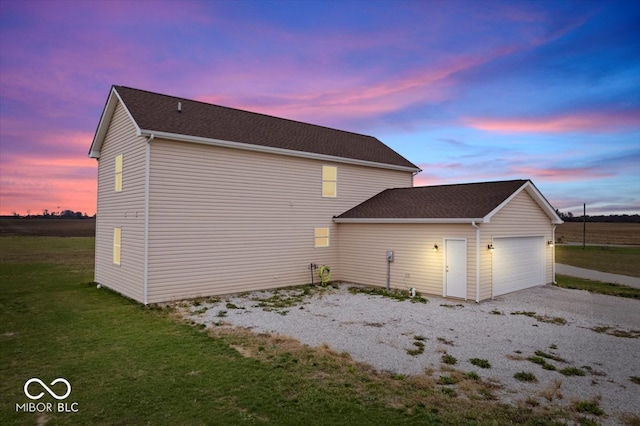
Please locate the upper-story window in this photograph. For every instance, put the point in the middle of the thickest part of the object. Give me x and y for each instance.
(329, 181)
(118, 173)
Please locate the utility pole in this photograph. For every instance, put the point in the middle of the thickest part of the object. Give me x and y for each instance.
(584, 225)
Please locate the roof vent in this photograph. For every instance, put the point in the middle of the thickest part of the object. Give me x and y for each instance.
(179, 106)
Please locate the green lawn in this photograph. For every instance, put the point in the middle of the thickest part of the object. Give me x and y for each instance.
(610, 289)
(616, 260)
(130, 364)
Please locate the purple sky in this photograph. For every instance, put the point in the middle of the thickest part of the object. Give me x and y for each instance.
(468, 90)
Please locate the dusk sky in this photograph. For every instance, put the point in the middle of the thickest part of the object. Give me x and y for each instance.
(467, 90)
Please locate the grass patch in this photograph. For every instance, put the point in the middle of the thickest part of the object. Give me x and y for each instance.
(398, 295)
(542, 362)
(542, 318)
(478, 362)
(419, 344)
(450, 392)
(448, 305)
(549, 356)
(284, 298)
(449, 359)
(588, 407)
(444, 341)
(617, 332)
(609, 289)
(572, 371)
(615, 260)
(230, 305)
(447, 380)
(134, 364)
(472, 375)
(525, 376)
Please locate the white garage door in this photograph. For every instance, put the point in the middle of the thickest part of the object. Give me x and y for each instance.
(518, 263)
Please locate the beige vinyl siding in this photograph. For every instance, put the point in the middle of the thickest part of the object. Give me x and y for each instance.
(521, 217)
(224, 220)
(124, 209)
(363, 248)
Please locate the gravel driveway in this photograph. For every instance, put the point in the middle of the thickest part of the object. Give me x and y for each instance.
(600, 335)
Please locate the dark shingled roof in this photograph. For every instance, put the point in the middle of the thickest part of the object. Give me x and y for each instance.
(156, 112)
(461, 201)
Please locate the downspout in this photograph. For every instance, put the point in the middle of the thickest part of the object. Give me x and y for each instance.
(473, 223)
(147, 172)
(553, 255)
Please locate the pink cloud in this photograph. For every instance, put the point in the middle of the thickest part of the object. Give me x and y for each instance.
(577, 122)
(504, 169)
(361, 98)
(28, 184)
(450, 173)
(561, 174)
(49, 175)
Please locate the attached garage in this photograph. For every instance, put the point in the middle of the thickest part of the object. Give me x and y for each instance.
(520, 264)
(467, 241)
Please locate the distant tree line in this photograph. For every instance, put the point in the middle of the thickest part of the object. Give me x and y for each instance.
(612, 218)
(64, 214)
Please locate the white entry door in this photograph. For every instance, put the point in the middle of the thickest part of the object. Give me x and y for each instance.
(455, 268)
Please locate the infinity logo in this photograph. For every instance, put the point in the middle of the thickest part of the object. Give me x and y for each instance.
(52, 393)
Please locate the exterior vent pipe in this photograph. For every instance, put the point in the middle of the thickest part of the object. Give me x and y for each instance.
(179, 106)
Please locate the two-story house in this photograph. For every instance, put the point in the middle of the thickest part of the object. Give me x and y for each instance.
(196, 199)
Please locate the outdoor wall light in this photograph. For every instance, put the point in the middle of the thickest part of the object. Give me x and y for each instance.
(490, 248)
(550, 243)
(435, 247)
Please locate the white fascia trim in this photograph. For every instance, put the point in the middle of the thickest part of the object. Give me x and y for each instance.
(105, 119)
(271, 150)
(408, 220)
(537, 197)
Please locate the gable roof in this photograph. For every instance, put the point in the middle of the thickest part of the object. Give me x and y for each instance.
(157, 115)
(459, 203)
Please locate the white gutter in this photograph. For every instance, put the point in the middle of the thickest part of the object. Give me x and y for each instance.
(408, 220)
(147, 172)
(272, 150)
(553, 255)
(477, 260)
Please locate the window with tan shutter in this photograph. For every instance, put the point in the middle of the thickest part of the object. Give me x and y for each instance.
(321, 237)
(329, 181)
(118, 173)
(117, 245)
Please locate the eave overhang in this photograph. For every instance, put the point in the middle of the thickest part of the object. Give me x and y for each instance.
(408, 220)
